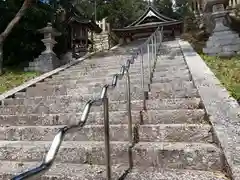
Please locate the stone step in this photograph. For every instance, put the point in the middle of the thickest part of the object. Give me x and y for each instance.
(165, 91)
(175, 133)
(151, 173)
(95, 88)
(20, 95)
(158, 74)
(113, 71)
(96, 77)
(172, 93)
(117, 64)
(79, 152)
(62, 171)
(85, 83)
(180, 116)
(193, 156)
(133, 69)
(175, 85)
(47, 133)
(71, 104)
(160, 132)
(114, 95)
(172, 78)
(71, 82)
(106, 66)
(135, 79)
(169, 63)
(107, 75)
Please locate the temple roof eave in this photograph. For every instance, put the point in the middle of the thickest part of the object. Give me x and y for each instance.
(160, 16)
(154, 25)
(89, 23)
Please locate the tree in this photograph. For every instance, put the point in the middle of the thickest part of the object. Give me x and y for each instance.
(26, 4)
(123, 12)
(165, 7)
(182, 8)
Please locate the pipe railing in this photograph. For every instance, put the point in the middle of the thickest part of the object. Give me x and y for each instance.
(155, 40)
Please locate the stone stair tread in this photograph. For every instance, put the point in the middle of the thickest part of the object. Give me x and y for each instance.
(178, 155)
(47, 133)
(152, 173)
(175, 133)
(151, 116)
(185, 146)
(91, 152)
(171, 93)
(118, 132)
(62, 171)
(65, 144)
(64, 102)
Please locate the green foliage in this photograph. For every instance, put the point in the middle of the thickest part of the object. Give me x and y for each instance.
(227, 70)
(119, 12)
(165, 7)
(12, 79)
(123, 12)
(178, 10)
(181, 7)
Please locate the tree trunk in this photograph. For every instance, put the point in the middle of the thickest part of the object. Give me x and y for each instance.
(10, 26)
(1, 59)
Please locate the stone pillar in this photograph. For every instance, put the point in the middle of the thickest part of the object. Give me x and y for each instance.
(223, 41)
(48, 60)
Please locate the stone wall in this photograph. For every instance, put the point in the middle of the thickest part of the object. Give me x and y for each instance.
(101, 42)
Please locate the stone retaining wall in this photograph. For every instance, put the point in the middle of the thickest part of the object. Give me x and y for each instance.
(224, 111)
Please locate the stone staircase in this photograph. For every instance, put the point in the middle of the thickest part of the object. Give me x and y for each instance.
(173, 137)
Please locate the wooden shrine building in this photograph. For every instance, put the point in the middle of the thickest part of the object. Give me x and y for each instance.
(147, 24)
(79, 28)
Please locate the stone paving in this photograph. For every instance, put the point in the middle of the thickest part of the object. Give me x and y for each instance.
(174, 137)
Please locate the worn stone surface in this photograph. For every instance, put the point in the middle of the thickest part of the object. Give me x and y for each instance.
(71, 151)
(172, 132)
(62, 171)
(223, 109)
(176, 133)
(73, 104)
(195, 156)
(170, 174)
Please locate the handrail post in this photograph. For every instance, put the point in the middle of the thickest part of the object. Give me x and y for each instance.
(156, 44)
(142, 79)
(153, 58)
(107, 137)
(149, 61)
(129, 111)
(142, 69)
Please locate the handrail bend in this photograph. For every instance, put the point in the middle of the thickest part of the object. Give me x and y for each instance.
(103, 100)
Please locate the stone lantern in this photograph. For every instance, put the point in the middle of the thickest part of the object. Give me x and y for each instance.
(48, 60)
(223, 41)
(49, 38)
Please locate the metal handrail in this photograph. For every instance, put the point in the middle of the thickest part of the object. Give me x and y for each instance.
(103, 100)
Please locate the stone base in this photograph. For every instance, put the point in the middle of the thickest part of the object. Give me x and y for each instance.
(44, 63)
(223, 43)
